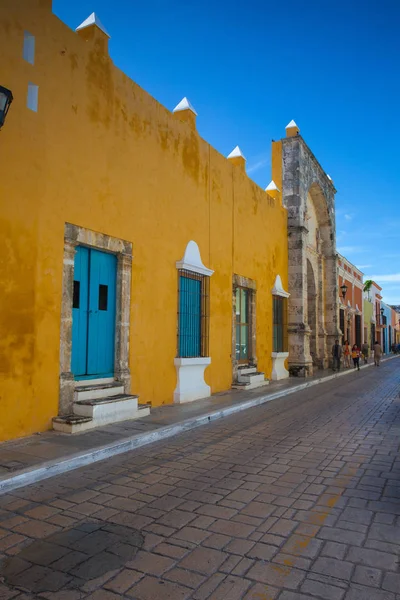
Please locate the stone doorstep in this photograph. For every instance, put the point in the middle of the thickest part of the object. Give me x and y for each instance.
(50, 468)
(251, 377)
(92, 392)
(106, 400)
(108, 410)
(249, 386)
(246, 370)
(100, 412)
(80, 423)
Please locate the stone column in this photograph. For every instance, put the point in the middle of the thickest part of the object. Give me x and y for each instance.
(323, 361)
(300, 362)
(67, 384)
(124, 274)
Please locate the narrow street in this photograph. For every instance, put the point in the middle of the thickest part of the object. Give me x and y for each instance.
(295, 499)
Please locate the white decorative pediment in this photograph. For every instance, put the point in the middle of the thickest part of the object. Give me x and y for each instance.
(191, 260)
(278, 290)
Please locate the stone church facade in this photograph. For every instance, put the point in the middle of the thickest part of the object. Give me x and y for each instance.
(309, 196)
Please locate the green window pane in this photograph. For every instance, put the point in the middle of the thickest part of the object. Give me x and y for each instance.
(243, 305)
(244, 330)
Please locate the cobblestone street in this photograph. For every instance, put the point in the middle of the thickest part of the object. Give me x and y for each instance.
(298, 498)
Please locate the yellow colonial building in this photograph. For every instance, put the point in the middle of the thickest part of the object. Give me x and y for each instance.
(137, 262)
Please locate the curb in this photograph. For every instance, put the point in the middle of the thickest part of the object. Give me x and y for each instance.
(81, 459)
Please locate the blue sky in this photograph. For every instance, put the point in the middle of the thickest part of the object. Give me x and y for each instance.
(249, 68)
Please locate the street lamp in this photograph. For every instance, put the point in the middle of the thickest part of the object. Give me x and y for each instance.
(6, 98)
(344, 290)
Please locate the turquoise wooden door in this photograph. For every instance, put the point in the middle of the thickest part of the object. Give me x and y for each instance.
(93, 314)
(80, 311)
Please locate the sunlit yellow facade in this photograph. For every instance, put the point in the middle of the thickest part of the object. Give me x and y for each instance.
(102, 154)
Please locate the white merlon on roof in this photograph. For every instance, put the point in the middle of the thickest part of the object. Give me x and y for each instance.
(237, 153)
(93, 19)
(291, 125)
(184, 104)
(272, 187)
(329, 177)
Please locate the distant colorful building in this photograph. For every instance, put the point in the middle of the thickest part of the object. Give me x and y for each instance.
(372, 315)
(351, 307)
(396, 322)
(387, 327)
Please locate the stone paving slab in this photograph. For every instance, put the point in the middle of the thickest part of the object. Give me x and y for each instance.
(285, 501)
(44, 455)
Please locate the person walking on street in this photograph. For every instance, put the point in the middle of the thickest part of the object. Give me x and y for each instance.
(365, 351)
(355, 355)
(377, 353)
(337, 355)
(346, 352)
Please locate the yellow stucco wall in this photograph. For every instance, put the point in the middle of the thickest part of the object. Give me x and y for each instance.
(368, 309)
(101, 153)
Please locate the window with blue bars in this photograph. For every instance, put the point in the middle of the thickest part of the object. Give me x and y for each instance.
(193, 314)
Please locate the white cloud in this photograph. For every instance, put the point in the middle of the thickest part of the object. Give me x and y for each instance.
(364, 266)
(350, 249)
(385, 278)
(260, 161)
(392, 298)
(348, 217)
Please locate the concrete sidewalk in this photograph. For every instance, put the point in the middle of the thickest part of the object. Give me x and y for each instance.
(41, 456)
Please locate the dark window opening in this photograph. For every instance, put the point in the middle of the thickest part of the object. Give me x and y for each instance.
(342, 328)
(76, 294)
(358, 331)
(243, 315)
(280, 339)
(103, 296)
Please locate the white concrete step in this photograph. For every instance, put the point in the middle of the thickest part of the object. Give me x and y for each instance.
(100, 381)
(123, 412)
(72, 424)
(250, 380)
(253, 377)
(110, 410)
(249, 386)
(92, 391)
(247, 370)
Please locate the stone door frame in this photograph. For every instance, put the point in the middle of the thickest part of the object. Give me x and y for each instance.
(79, 236)
(250, 284)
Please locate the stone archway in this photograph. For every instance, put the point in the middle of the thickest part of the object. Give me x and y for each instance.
(309, 195)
